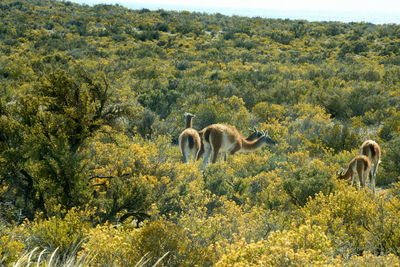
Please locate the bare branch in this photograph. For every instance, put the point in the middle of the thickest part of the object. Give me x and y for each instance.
(108, 177)
(101, 177)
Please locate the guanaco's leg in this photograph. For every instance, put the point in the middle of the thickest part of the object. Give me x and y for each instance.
(353, 177)
(361, 177)
(200, 152)
(185, 152)
(216, 141)
(374, 171)
(207, 152)
(372, 176)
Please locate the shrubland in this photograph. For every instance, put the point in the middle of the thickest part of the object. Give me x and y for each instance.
(91, 105)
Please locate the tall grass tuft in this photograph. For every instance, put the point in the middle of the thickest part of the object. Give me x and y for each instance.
(44, 258)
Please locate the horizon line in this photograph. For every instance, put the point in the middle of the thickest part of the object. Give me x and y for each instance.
(345, 16)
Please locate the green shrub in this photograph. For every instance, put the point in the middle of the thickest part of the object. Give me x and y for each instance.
(305, 181)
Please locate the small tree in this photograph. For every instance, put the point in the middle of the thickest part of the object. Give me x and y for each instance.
(41, 161)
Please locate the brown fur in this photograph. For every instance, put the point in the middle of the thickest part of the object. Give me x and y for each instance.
(226, 138)
(254, 134)
(360, 167)
(201, 151)
(189, 140)
(372, 150)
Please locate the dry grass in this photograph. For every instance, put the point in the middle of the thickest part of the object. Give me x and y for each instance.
(45, 258)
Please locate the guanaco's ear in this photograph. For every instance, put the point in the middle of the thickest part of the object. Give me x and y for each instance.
(253, 130)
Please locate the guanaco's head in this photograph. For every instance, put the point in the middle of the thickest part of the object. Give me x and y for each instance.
(189, 115)
(188, 119)
(266, 138)
(340, 176)
(254, 134)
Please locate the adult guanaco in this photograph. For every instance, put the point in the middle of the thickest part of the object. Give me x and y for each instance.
(189, 139)
(226, 138)
(372, 150)
(254, 134)
(360, 167)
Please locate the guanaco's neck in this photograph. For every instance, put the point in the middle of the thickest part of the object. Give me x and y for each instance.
(252, 145)
(189, 122)
(251, 136)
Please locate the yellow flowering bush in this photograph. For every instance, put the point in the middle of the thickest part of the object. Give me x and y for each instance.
(305, 245)
(356, 221)
(65, 233)
(345, 216)
(11, 247)
(222, 222)
(115, 154)
(370, 260)
(267, 189)
(125, 245)
(269, 112)
(111, 244)
(385, 232)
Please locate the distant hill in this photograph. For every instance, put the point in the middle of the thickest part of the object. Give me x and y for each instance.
(170, 50)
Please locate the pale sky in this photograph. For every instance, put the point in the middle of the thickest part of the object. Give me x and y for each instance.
(333, 5)
(377, 11)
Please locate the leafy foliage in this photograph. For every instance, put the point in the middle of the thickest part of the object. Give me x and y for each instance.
(91, 105)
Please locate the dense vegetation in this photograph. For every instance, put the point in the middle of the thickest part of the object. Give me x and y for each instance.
(91, 104)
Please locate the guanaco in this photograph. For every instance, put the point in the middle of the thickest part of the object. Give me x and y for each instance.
(254, 134)
(226, 138)
(372, 150)
(189, 139)
(360, 167)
